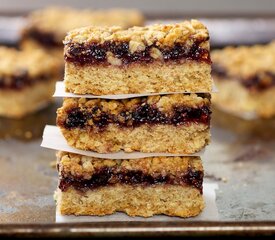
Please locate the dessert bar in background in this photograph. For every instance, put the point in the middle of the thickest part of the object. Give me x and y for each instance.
(245, 77)
(47, 28)
(152, 59)
(138, 187)
(27, 81)
(177, 123)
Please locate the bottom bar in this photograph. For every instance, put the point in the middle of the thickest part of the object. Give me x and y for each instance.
(139, 187)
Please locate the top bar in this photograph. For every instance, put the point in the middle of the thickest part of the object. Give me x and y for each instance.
(153, 59)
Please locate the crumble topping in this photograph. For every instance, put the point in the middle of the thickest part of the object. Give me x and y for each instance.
(163, 103)
(33, 62)
(138, 37)
(245, 62)
(83, 166)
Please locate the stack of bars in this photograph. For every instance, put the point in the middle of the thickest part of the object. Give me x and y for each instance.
(144, 90)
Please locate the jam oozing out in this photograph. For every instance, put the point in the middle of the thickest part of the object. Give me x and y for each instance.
(143, 114)
(19, 81)
(95, 53)
(107, 176)
(258, 82)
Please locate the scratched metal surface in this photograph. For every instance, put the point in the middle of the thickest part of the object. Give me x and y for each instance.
(241, 158)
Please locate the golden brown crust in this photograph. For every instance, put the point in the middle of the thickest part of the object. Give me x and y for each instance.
(59, 20)
(33, 61)
(138, 37)
(181, 201)
(246, 61)
(82, 166)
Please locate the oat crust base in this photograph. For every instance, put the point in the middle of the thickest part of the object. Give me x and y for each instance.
(152, 78)
(157, 138)
(181, 201)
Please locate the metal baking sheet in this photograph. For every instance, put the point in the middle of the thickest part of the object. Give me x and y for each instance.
(241, 159)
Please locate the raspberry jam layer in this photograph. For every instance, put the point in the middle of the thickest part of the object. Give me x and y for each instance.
(143, 114)
(20, 81)
(107, 176)
(95, 53)
(258, 82)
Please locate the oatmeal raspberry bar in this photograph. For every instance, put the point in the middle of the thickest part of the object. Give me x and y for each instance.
(177, 123)
(245, 77)
(158, 58)
(138, 187)
(27, 81)
(48, 27)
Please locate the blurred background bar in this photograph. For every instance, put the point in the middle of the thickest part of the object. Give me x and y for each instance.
(233, 22)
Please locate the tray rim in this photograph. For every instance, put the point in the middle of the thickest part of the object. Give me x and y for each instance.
(106, 229)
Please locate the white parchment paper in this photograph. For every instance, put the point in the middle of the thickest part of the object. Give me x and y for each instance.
(53, 139)
(60, 92)
(210, 213)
